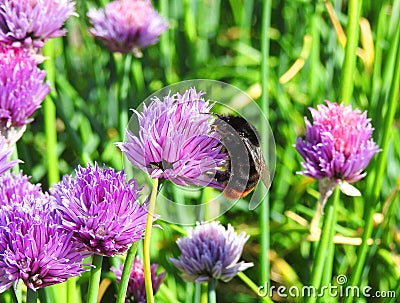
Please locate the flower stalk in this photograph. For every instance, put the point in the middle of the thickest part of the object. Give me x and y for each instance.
(254, 287)
(125, 69)
(123, 285)
(147, 242)
(327, 233)
(31, 296)
(197, 293)
(349, 64)
(136, 286)
(265, 205)
(49, 109)
(13, 295)
(212, 295)
(71, 290)
(94, 280)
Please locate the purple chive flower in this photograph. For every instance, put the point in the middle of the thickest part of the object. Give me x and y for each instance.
(13, 189)
(174, 141)
(21, 89)
(29, 23)
(211, 252)
(5, 153)
(136, 292)
(338, 145)
(34, 247)
(337, 148)
(101, 209)
(127, 26)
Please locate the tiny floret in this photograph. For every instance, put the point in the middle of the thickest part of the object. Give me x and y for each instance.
(211, 252)
(5, 153)
(337, 148)
(22, 89)
(101, 209)
(13, 189)
(34, 247)
(175, 142)
(30, 23)
(338, 145)
(127, 26)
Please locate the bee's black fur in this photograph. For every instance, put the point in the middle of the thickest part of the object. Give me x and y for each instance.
(245, 162)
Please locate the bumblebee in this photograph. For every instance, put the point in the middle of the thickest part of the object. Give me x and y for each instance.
(245, 164)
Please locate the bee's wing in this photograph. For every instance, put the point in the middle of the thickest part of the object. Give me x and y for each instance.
(261, 167)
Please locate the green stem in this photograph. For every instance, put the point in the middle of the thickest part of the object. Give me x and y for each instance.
(328, 266)
(168, 52)
(245, 22)
(94, 280)
(50, 114)
(49, 292)
(264, 213)
(190, 29)
(49, 111)
(73, 135)
(13, 295)
(18, 290)
(123, 93)
(373, 197)
(397, 292)
(328, 269)
(376, 85)
(323, 255)
(42, 295)
(138, 78)
(71, 290)
(126, 272)
(314, 59)
(212, 295)
(259, 290)
(147, 241)
(31, 296)
(349, 63)
(51, 141)
(197, 294)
